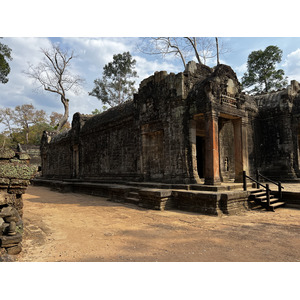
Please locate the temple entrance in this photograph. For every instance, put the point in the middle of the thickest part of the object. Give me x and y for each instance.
(226, 150)
(219, 148)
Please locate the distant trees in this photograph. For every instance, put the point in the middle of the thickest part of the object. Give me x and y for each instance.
(53, 75)
(5, 55)
(26, 115)
(116, 85)
(25, 124)
(202, 48)
(262, 74)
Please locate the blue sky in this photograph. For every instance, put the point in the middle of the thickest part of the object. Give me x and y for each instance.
(116, 30)
(94, 53)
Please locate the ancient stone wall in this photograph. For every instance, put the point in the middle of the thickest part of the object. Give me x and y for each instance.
(277, 126)
(15, 175)
(189, 127)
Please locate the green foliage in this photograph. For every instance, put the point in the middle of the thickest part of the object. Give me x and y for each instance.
(262, 73)
(99, 111)
(25, 125)
(115, 86)
(5, 52)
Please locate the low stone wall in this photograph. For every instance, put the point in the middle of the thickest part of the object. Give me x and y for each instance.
(15, 175)
(292, 199)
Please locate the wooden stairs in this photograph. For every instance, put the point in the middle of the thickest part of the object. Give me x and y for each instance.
(262, 197)
(258, 199)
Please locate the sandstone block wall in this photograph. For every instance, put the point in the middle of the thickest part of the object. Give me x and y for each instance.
(15, 175)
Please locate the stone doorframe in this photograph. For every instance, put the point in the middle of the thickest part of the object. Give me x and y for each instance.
(212, 154)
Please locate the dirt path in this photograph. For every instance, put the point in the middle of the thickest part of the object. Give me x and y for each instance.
(75, 227)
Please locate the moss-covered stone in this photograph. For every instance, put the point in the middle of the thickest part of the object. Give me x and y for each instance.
(6, 153)
(23, 156)
(20, 171)
(4, 181)
(19, 182)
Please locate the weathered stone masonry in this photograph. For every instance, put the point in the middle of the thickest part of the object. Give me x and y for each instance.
(189, 128)
(15, 174)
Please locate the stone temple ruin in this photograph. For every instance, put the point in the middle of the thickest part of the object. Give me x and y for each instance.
(182, 142)
(15, 175)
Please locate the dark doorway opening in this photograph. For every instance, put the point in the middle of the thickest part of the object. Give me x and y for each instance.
(200, 144)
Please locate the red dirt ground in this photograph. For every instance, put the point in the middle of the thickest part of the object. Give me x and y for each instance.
(74, 227)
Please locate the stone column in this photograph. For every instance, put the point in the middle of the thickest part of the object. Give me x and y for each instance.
(194, 150)
(212, 161)
(240, 148)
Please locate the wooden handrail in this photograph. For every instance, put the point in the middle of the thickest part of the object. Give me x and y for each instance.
(268, 179)
(245, 184)
(258, 184)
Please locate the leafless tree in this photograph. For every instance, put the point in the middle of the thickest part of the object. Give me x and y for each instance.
(203, 48)
(53, 75)
(164, 46)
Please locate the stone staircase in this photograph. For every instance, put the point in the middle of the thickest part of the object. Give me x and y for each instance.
(258, 200)
(132, 197)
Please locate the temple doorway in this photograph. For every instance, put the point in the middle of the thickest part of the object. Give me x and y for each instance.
(226, 149)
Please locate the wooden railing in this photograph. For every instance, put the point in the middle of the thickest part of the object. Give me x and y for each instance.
(258, 184)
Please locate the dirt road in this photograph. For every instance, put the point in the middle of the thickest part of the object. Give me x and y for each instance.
(75, 227)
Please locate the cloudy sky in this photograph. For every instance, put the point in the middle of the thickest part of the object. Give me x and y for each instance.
(94, 53)
(98, 32)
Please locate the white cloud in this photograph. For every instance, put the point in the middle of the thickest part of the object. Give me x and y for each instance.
(292, 65)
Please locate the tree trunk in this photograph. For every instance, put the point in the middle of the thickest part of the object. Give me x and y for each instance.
(65, 117)
(217, 46)
(194, 45)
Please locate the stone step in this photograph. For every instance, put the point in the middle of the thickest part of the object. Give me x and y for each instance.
(273, 200)
(132, 200)
(257, 194)
(277, 204)
(264, 198)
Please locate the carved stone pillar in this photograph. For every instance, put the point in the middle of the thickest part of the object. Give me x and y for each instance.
(212, 163)
(194, 150)
(240, 148)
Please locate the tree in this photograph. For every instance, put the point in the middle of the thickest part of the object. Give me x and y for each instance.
(5, 54)
(55, 117)
(203, 48)
(115, 87)
(262, 73)
(6, 118)
(53, 75)
(27, 115)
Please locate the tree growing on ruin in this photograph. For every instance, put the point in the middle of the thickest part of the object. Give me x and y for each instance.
(184, 48)
(116, 85)
(54, 76)
(5, 55)
(262, 74)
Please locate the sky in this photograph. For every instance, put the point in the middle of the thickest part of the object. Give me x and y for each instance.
(94, 52)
